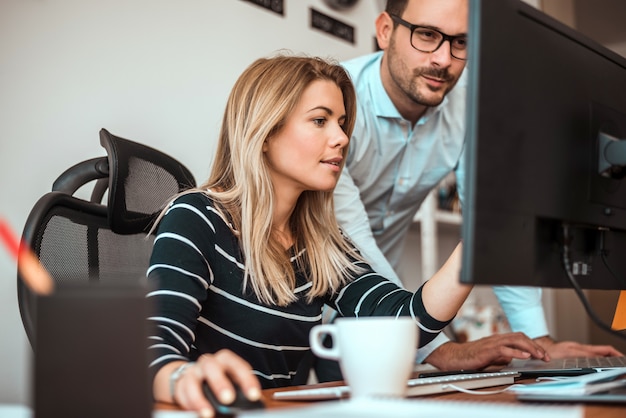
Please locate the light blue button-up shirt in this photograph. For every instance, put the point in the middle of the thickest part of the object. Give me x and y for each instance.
(390, 169)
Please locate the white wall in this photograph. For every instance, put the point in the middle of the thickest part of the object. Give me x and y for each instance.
(155, 71)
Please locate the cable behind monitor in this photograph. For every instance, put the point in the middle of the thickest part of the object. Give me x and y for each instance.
(579, 292)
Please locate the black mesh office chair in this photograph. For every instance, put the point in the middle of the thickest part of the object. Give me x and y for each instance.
(106, 236)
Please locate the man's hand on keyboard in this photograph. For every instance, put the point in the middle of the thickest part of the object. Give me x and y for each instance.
(566, 349)
(494, 350)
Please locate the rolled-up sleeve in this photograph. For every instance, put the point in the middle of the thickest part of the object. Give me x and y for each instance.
(523, 308)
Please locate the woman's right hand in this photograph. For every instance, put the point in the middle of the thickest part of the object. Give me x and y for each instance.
(219, 370)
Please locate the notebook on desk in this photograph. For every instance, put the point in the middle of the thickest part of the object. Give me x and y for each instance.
(565, 367)
(612, 396)
(605, 386)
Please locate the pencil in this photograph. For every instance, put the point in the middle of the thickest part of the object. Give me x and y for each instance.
(32, 272)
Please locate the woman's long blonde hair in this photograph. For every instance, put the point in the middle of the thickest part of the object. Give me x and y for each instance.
(258, 106)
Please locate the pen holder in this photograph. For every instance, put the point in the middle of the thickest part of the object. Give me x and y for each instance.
(90, 356)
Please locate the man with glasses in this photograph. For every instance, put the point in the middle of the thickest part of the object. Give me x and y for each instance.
(409, 135)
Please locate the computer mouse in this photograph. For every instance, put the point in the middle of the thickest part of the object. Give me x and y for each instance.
(241, 403)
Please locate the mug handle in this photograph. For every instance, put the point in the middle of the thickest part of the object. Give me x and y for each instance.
(316, 337)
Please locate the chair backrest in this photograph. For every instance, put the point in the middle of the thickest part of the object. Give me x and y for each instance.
(104, 237)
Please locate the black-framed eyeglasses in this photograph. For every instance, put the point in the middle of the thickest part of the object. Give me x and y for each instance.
(426, 39)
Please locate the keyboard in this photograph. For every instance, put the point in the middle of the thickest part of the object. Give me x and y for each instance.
(415, 387)
(594, 362)
(565, 367)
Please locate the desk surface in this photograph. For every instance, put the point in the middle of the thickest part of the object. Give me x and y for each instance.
(590, 410)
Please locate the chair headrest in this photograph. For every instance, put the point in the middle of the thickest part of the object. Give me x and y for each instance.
(141, 181)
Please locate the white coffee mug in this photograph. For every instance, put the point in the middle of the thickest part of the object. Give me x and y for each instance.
(376, 354)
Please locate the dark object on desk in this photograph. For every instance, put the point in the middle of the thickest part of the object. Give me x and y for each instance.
(531, 374)
(240, 404)
(91, 357)
(105, 237)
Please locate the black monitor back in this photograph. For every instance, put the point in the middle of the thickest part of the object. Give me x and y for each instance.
(538, 96)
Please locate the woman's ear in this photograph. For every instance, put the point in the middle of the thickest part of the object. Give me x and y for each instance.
(264, 148)
(384, 29)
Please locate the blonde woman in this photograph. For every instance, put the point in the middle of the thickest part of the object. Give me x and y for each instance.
(244, 265)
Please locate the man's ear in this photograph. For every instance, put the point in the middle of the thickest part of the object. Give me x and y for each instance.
(384, 29)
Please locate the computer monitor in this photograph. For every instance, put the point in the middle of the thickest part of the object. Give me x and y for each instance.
(545, 191)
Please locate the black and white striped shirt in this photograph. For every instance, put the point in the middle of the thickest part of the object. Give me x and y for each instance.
(196, 271)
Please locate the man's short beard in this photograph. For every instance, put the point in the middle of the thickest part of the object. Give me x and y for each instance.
(441, 74)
